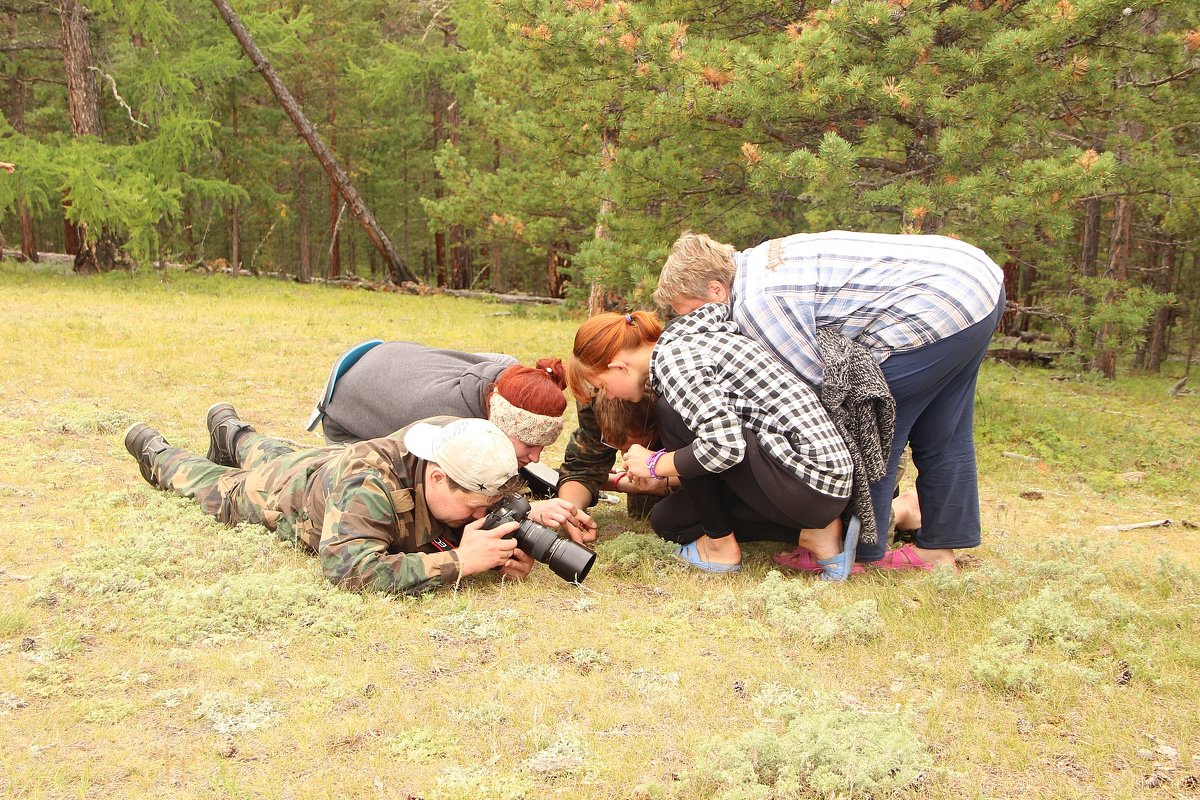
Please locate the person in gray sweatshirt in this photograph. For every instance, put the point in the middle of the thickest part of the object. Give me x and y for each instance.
(380, 387)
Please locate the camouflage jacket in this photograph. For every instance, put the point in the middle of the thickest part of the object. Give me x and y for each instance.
(587, 460)
(363, 511)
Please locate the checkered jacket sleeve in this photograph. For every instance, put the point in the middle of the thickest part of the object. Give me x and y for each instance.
(721, 381)
(688, 381)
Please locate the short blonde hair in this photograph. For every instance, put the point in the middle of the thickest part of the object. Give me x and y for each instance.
(695, 260)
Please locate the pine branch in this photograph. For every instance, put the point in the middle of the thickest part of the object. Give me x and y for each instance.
(887, 165)
(1187, 73)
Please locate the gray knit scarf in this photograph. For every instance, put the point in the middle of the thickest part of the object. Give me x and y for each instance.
(857, 398)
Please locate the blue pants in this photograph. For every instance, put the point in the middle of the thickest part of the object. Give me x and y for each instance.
(934, 389)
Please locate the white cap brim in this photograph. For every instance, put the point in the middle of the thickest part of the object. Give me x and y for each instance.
(418, 440)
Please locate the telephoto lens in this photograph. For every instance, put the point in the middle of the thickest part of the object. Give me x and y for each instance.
(567, 559)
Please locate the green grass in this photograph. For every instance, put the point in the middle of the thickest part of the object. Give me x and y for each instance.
(146, 651)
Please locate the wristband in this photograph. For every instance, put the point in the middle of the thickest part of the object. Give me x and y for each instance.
(652, 462)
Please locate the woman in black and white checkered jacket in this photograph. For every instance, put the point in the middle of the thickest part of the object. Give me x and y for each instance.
(756, 452)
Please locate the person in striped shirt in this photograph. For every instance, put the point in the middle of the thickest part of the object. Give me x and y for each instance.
(925, 306)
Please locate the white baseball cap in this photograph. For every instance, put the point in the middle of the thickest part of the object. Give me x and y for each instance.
(473, 452)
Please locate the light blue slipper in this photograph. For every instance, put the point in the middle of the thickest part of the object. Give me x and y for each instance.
(691, 554)
(840, 567)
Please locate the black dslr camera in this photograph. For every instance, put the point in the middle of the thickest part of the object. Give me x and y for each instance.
(568, 560)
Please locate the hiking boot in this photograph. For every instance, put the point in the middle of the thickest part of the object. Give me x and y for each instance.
(143, 443)
(223, 429)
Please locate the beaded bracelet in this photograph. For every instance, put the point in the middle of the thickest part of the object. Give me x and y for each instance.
(652, 461)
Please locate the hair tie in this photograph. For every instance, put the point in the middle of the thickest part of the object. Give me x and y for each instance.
(629, 320)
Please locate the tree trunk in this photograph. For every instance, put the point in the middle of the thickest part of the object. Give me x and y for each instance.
(1146, 277)
(189, 231)
(609, 138)
(439, 236)
(554, 280)
(96, 252)
(1163, 280)
(406, 234)
(495, 266)
(398, 270)
(71, 235)
(1119, 243)
(335, 206)
(1194, 319)
(28, 240)
(235, 228)
(304, 273)
(83, 96)
(461, 250)
(1090, 249)
(16, 118)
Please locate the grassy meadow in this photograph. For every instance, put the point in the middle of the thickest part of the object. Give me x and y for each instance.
(146, 651)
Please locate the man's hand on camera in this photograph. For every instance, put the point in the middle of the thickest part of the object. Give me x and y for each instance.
(565, 516)
(480, 550)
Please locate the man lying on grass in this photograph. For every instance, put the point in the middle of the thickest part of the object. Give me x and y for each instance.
(401, 513)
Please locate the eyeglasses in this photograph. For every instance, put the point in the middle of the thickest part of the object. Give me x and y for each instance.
(643, 429)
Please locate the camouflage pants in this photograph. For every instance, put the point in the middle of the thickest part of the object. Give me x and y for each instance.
(270, 468)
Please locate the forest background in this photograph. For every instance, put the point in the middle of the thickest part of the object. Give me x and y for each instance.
(557, 148)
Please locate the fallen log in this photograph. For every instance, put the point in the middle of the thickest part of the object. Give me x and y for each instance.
(1015, 355)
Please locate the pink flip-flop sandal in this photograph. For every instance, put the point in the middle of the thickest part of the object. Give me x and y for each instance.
(905, 558)
(803, 561)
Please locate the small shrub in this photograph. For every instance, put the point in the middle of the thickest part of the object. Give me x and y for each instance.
(652, 682)
(13, 623)
(564, 756)
(229, 717)
(791, 607)
(1174, 578)
(632, 553)
(1114, 607)
(1048, 617)
(79, 419)
(585, 659)
(834, 753)
(189, 577)
(1007, 668)
(170, 698)
(775, 700)
(490, 712)
(458, 783)
(468, 626)
(421, 744)
(106, 712)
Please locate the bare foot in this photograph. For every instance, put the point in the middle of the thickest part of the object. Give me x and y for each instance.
(939, 558)
(823, 542)
(907, 511)
(725, 550)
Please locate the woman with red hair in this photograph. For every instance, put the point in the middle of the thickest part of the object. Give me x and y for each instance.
(390, 385)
